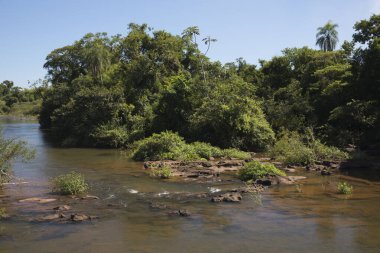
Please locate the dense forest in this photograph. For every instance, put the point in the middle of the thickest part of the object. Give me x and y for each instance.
(110, 91)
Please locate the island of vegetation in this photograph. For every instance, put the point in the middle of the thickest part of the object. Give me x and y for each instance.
(160, 97)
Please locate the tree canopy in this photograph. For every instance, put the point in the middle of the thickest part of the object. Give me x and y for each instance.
(109, 91)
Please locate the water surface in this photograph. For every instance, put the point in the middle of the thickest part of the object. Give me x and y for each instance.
(306, 218)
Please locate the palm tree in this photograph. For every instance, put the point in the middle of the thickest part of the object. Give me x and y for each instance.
(327, 36)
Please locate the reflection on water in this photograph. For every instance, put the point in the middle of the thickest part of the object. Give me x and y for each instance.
(303, 219)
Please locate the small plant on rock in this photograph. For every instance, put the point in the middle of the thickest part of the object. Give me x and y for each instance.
(3, 213)
(345, 188)
(164, 172)
(70, 184)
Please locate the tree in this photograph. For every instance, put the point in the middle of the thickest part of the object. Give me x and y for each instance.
(327, 36)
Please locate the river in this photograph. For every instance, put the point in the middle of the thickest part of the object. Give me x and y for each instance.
(303, 218)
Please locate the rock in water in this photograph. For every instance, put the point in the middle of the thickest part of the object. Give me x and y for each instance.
(37, 200)
(180, 212)
(62, 208)
(82, 217)
(90, 197)
(228, 197)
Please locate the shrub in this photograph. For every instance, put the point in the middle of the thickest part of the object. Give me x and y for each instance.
(110, 136)
(323, 152)
(171, 146)
(235, 153)
(205, 150)
(10, 150)
(255, 170)
(69, 184)
(164, 172)
(345, 188)
(158, 147)
(291, 148)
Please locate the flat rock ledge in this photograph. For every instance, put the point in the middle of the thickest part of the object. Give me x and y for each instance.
(197, 169)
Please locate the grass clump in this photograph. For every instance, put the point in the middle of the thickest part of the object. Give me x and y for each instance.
(70, 184)
(164, 172)
(171, 146)
(256, 170)
(292, 148)
(345, 188)
(3, 213)
(235, 153)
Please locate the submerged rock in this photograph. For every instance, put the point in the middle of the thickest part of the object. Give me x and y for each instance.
(326, 173)
(278, 180)
(228, 197)
(89, 197)
(180, 212)
(50, 217)
(82, 217)
(157, 206)
(62, 208)
(37, 200)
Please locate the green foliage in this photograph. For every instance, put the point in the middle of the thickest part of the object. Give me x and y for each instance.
(292, 148)
(345, 188)
(235, 153)
(109, 91)
(327, 36)
(158, 147)
(164, 172)
(170, 146)
(10, 150)
(17, 101)
(70, 184)
(205, 150)
(3, 213)
(111, 136)
(230, 117)
(255, 170)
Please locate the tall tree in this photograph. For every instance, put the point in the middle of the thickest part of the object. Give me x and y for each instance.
(327, 36)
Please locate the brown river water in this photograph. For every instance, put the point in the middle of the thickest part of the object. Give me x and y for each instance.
(309, 217)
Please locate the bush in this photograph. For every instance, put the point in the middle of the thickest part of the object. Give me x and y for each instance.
(255, 170)
(291, 148)
(110, 136)
(70, 184)
(164, 172)
(323, 152)
(10, 150)
(158, 147)
(170, 146)
(345, 188)
(235, 153)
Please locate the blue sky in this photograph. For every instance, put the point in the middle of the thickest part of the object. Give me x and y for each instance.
(251, 29)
